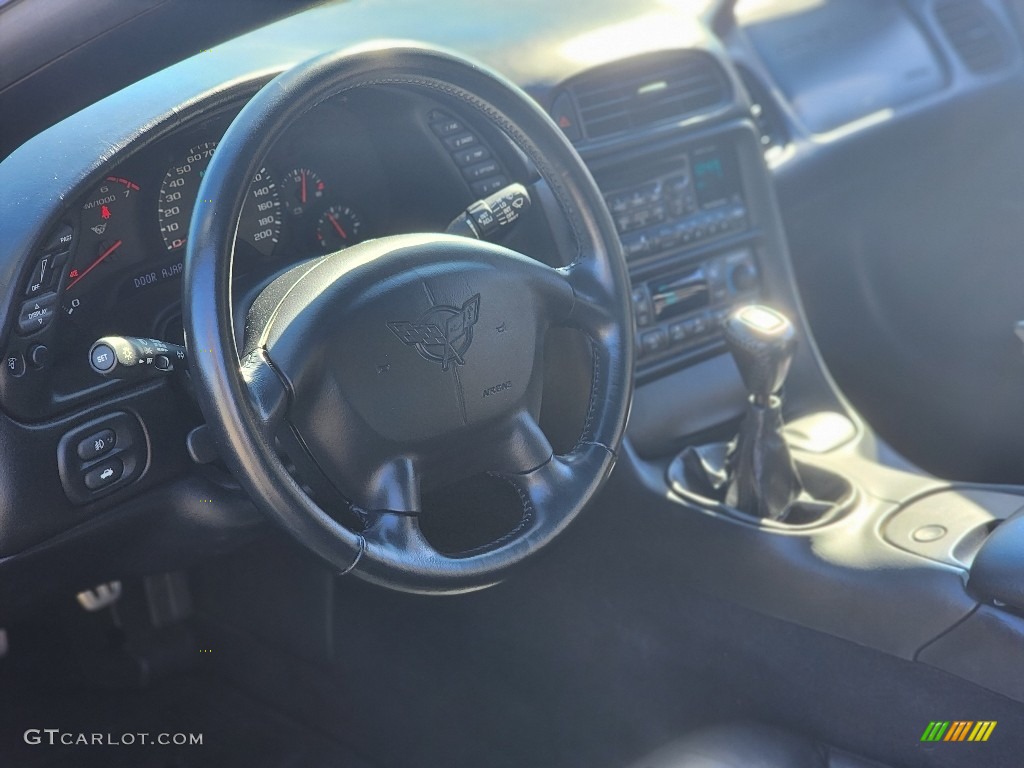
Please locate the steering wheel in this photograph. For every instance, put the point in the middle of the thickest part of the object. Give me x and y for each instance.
(408, 362)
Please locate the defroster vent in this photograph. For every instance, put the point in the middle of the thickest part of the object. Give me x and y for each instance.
(641, 91)
(974, 32)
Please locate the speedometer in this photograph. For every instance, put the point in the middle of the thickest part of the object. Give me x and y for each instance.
(259, 225)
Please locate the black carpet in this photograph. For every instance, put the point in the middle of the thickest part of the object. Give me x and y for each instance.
(236, 731)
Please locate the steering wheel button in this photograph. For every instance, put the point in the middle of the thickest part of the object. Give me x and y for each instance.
(446, 126)
(481, 170)
(459, 141)
(104, 474)
(487, 186)
(96, 445)
(471, 155)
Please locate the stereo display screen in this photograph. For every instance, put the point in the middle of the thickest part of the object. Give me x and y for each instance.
(714, 177)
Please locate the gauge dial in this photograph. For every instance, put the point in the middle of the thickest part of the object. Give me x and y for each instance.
(178, 194)
(302, 188)
(108, 232)
(259, 225)
(338, 228)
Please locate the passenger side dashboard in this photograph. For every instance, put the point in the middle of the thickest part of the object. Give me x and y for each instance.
(898, 225)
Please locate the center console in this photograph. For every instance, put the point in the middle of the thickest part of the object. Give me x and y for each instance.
(689, 238)
(863, 546)
(768, 491)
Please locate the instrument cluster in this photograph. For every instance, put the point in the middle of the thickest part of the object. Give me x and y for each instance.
(119, 264)
(354, 168)
(133, 227)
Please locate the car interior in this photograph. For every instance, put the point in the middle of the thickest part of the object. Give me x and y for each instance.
(596, 384)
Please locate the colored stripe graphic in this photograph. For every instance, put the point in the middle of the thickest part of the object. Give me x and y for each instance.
(958, 730)
(935, 730)
(982, 730)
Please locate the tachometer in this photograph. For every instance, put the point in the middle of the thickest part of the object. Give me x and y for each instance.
(260, 223)
(108, 230)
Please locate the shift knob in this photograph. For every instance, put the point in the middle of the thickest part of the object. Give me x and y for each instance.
(762, 342)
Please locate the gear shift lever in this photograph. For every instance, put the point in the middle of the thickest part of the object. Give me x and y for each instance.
(755, 473)
(762, 342)
(762, 479)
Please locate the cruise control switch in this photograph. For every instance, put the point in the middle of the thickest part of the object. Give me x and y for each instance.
(131, 357)
(485, 218)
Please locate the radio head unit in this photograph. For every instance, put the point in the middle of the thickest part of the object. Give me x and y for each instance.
(679, 294)
(682, 306)
(698, 198)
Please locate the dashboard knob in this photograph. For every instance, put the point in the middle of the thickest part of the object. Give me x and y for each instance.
(743, 277)
(39, 355)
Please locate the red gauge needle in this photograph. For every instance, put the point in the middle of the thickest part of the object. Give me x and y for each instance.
(337, 227)
(303, 187)
(91, 267)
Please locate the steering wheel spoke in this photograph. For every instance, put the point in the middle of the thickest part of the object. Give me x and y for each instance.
(546, 490)
(593, 309)
(525, 448)
(395, 532)
(394, 487)
(267, 393)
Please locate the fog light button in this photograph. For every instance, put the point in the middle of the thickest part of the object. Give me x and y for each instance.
(96, 445)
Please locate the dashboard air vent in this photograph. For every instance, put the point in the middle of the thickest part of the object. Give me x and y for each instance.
(647, 89)
(974, 33)
(766, 113)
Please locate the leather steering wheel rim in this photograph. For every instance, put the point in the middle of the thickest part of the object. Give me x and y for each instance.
(247, 400)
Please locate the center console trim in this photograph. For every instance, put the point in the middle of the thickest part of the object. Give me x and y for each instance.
(661, 206)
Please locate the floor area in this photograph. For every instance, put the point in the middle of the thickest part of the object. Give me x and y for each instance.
(237, 731)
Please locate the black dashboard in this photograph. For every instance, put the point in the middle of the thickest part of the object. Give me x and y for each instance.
(854, 165)
(113, 265)
(656, 100)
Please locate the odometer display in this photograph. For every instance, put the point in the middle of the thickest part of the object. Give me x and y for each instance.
(260, 223)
